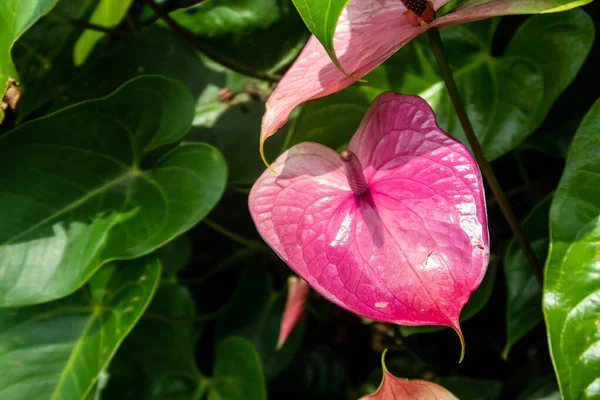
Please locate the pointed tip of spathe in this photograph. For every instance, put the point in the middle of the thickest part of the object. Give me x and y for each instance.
(262, 156)
(462, 342)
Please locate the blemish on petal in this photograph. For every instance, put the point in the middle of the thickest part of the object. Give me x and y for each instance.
(16, 363)
(381, 304)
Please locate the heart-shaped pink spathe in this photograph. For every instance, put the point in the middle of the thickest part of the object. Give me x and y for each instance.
(412, 248)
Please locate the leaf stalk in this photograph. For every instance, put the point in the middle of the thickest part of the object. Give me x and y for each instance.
(438, 50)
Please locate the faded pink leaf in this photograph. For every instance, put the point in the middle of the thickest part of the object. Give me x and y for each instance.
(393, 388)
(368, 33)
(294, 305)
(412, 248)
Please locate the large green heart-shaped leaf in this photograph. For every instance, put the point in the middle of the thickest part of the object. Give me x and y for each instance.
(256, 36)
(81, 190)
(571, 298)
(506, 97)
(16, 16)
(57, 350)
(523, 291)
(255, 313)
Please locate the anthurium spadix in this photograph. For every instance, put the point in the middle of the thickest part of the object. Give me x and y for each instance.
(367, 33)
(393, 229)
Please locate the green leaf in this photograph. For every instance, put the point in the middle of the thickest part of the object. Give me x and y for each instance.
(542, 389)
(44, 54)
(472, 389)
(571, 299)
(57, 350)
(108, 14)
(82, 189)
(321, 17)
(233, 129)
(16, 16)
(255, 313)
(237, 374)
(506, 97)
(477, 301)
(523, 291)
(159, 354)
(255, 37)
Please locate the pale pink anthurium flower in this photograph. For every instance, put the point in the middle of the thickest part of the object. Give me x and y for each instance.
(393, 388)
(393, 229)
(369, 32)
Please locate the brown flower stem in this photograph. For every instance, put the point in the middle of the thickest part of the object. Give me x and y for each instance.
(78, 23)
(446, 72)
(198, 45)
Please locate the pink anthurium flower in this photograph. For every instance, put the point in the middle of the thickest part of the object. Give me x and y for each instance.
(393, 229)
(393, 388)
(294, 305)
(369, 32)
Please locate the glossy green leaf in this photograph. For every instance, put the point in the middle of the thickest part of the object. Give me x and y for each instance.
(255, 313)
(44, 54)
(523, 291)
(256, 36)
(321, 17)
(472, 389)
(108, 14)
(57, 350)
(16, 16)
(477, 301)
(571, 298)
(507, 97)
(81, 190)
(237, 374)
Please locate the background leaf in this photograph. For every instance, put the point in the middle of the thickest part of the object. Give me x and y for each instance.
(472, 389)
(255, 313)
(44, 54)
(157, 361)
(257, 36)
(571, 298)
(321, 17)
(523, 291)
(237, 374)
(108, 14)
(16, 16)
(117, 203)
(57, 350)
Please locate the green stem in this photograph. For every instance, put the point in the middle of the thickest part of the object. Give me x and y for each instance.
(198, 45)
(251, 244)
(446, 72)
